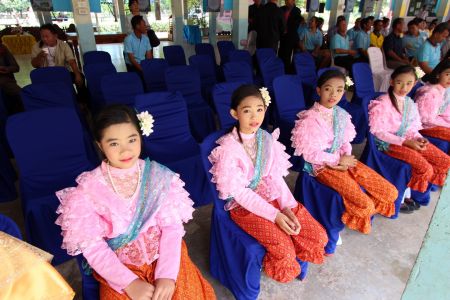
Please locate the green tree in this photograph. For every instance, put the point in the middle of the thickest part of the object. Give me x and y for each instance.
(14, 5)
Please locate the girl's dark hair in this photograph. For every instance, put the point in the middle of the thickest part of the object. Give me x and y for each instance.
(330, 74)
(406, 69)
(441, 67)
(112, 115)
(242, 92)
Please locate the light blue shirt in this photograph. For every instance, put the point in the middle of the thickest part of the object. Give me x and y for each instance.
(138, 47)
(340, 42)
(362, 41)
(352, 33)
(412, 44)
(311, 39)
(429, 53)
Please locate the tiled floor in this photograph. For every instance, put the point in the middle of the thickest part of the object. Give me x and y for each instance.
(376, 266)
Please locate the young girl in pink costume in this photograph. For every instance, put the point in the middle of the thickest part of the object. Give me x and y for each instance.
(433, 102)
(322, 134)
(126, 218)
(248, 168)
(395, 122)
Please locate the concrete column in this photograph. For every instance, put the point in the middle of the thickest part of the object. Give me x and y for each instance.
(212, 28)
(178, 21)
(378, 9)
(240, 22)
(122, 18)
(442, 10)
(337, 7)
(46, 17)
(83, 22)
(400, 9)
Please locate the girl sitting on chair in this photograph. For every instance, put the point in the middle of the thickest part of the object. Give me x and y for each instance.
(395, 122)
(248, 168)
(433, 102)
(126, 217)
(322, 134)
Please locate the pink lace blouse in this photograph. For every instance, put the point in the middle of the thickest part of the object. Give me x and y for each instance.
(233, 169)
(429, 99)
(313, 134)
(93, 212)
(385, 120)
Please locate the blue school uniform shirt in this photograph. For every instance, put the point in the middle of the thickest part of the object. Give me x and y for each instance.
(412, 44)
(311, 40)
(352, 33)
(429, 53)
(340, 42)
(362, 40)
(137, 46)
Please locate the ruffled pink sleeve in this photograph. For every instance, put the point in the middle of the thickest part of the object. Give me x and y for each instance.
(230, 178)
(429, 100)
(380, 121)
(349, 136)
(308, 140)
(176, 210)
(414, 124)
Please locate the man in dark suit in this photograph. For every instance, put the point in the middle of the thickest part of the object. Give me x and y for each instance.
(289, 40)
(269, 26)
(253, 11)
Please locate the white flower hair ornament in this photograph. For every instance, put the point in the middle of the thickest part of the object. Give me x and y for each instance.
(145, 122)
(348, 82)
(265, 95)
(419, 72)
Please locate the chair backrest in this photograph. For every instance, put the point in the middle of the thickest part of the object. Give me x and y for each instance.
(205, 67)
(174, 55)
(264, 54)
(240, 56)
(289, 97)
(271, 69)
(50, 74)
(49, 148)
(238, 72)
(206, 49)
(206, 147)
(305, 68)
(10, 227)
(171, 135)
(222, 101)
(47, 95)
(413, 91)
(94, 74)
(154, 74)
(376, 59)
(224, 49)
(363, 80)
(186, 80)
(121, 87)
(96, 57)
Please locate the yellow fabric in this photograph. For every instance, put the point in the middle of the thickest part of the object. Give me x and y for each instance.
(19, 44)
(376, 41)
(26, 274)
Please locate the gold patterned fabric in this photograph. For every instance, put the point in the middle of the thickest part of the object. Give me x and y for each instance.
(27, 274)
(19, 44)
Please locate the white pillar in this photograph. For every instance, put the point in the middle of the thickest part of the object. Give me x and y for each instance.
(46, 17)
(240, 22)
(122, 18)
(337, 7)
(178, 21)
(83, 22)
(400, 9)
(443, 10)
(212, 28)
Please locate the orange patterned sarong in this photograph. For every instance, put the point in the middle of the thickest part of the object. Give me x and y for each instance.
(190, 284)
(282, 249)
(359, 206)
(429, 165)
(438, 132)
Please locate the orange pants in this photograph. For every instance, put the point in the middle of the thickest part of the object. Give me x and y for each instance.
(359, 206)
(190, 283)
(438, 132)
(429, 165)
(282, 249)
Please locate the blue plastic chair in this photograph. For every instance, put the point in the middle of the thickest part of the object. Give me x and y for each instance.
(222, 100)
(174, 55)
(264, 54)
(57, 138)
(207, 70)
(51, 74)
(271, 68)
(10, 227)
(7, 173)
(172, 144)
(224, 48)
(96, 57)
(235, 257)
(121, 88)
(289, 101)
(238, 72)
(364, 88)
(305, 68)
(154, 74)
(412, 93)
(240, 55)
(186, 80)
(206, 49)
(94, 74)
(47, 95)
